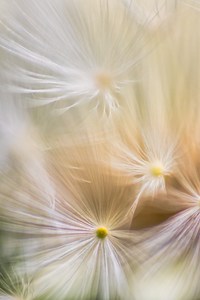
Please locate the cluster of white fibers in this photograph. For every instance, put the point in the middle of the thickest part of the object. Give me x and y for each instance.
(100, 143)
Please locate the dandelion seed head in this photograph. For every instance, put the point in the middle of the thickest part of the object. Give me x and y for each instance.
(101, 232)
(73, 200)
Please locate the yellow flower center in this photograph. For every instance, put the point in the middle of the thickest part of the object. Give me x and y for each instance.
(157, 170)
(101, 232)
(103, 80)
